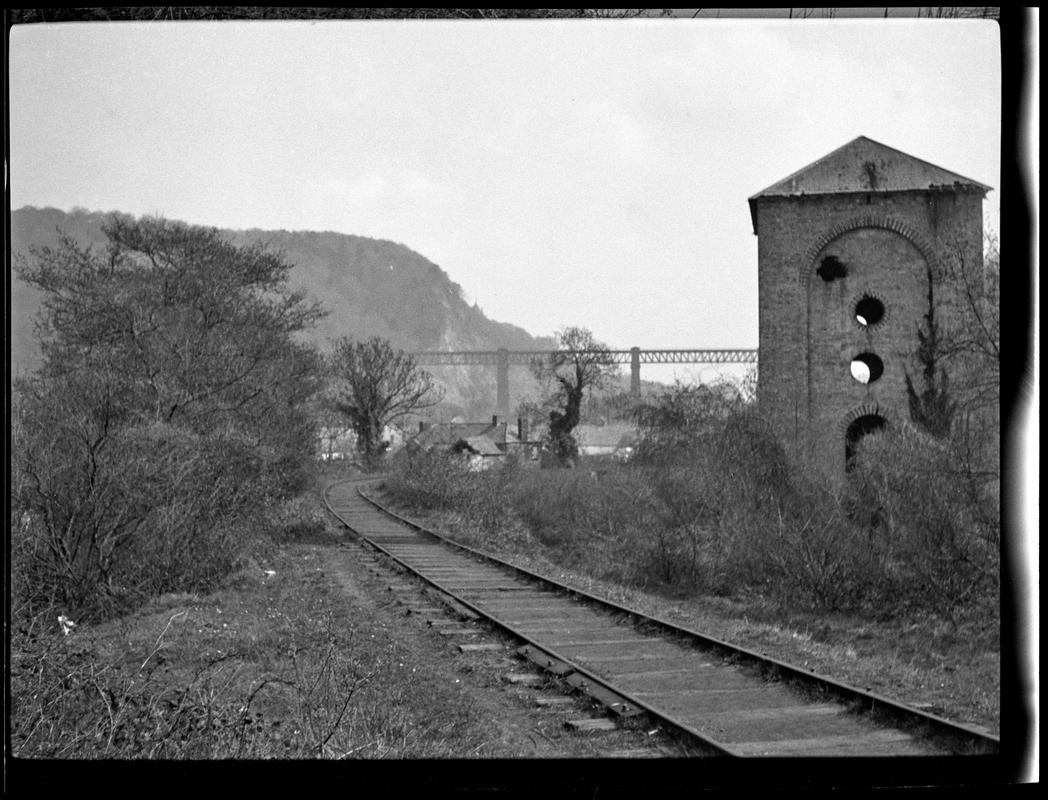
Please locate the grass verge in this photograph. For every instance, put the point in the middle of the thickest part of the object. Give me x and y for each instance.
(282, 662)
(279, 665)
(302, 654)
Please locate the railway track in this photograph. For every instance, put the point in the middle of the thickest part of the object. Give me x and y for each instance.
(725, 700)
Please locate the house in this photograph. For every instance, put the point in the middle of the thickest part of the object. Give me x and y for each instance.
(485, 443)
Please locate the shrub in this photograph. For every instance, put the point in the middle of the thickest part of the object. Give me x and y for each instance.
(816, 556)
(933, 514)
(168, 416)
(551, 501)
(429, 480)
(109, 521)
(716, 505)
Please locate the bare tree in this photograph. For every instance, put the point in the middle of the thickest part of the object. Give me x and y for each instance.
(972, 343)
(966, 341)
(374, 385)
(976, 336)
(580, 363)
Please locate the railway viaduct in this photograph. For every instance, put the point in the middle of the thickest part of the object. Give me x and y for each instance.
(635, 356)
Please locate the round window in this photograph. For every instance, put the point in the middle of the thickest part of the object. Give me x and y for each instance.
(869, 311)
(867, 368)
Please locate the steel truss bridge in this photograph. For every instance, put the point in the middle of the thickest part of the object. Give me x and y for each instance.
(635, 356)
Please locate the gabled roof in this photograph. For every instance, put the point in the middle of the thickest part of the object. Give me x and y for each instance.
(483, 446)
(863, 165)
(447, 434)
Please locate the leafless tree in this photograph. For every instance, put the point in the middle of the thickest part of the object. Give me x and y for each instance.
(579, 364)
(965, 341)
(374, 384)
(976, 334)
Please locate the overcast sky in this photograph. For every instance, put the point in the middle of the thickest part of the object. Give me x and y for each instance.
(582, 172)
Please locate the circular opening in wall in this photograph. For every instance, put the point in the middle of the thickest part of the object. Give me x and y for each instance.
(869, 311)
(867, 368)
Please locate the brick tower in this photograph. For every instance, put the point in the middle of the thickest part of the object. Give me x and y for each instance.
(851, 252)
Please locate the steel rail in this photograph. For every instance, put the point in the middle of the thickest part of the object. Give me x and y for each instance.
(968, 737)
(587, 675)
(762, 660)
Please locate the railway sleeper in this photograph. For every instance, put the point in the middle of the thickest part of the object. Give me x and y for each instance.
(599, 725)
(617, 703)
(769, 718)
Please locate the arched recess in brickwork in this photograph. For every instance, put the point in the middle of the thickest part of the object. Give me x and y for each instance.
(867, 420)
(860, 422)
(865, 409)
(809, 266)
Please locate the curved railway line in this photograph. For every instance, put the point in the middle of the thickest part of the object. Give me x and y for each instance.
(721, 699)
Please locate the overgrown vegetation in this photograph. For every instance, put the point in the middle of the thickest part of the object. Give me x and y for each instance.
(711, 504)
(276, 664)
(161, 458)
(172, 427)
(169, 417)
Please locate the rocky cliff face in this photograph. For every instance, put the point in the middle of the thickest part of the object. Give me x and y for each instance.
(371, 287)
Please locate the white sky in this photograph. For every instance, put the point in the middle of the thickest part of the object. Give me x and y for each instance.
(563, 172)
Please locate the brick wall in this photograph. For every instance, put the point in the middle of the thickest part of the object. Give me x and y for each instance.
(808, 329)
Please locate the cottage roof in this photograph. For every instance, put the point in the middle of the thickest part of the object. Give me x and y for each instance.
(863, 165)
(447, 434)
(483, 446)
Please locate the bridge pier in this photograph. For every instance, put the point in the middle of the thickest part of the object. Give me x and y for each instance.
(635, 373)
(502, 384)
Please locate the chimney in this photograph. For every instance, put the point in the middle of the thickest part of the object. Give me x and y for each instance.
(421, 426)
(522, 430)
(495, 419)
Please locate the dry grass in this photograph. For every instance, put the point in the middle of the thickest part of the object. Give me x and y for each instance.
(300, 655)
(279, 664)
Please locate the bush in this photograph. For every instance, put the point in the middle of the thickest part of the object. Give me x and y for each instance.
(429, 480)
(169, 415)
(109, 522)
(814, 555)
(934, 516)
(716, 505)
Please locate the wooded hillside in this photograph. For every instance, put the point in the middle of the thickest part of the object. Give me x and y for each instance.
(371, 287)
